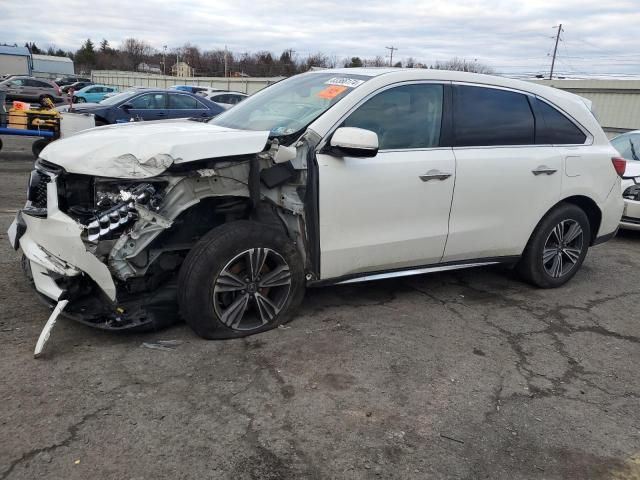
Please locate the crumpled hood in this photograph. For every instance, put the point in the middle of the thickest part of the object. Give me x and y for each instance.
(146, 149)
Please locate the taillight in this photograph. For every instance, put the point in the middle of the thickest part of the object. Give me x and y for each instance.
(620, 165)
(58, 89)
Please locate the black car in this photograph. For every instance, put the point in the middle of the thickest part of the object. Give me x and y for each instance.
(63, 81)
(152, 104)
(76, 86)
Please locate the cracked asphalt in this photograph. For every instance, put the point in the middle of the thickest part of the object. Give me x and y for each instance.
(470, 374)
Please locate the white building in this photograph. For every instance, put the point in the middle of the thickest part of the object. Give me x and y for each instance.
(15, 60)
(48, 66)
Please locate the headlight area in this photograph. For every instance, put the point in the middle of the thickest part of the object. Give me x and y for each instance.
(111, 212)
(107, 207)
(632, 193)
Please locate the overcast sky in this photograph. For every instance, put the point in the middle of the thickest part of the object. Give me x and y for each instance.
(512, 36)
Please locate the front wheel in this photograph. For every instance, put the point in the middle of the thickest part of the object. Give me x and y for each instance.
(79, 99)
(240, 279)
(557, 247)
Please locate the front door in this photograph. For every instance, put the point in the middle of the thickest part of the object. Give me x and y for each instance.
(390, 211)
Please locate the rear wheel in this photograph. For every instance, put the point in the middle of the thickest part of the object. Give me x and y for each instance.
(241, 278)
(557, 247)
(79, 99)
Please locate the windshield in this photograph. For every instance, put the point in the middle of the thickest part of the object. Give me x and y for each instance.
(290, 105)
(628, 145)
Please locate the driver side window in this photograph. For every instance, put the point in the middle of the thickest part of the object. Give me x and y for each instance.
(404, 117)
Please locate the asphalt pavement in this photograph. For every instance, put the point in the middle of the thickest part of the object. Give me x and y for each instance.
(470, 374)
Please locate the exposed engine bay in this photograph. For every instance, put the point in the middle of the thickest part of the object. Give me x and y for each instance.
(141, 229)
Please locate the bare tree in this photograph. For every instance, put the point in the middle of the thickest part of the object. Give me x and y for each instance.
(135, 51)
(463, 65)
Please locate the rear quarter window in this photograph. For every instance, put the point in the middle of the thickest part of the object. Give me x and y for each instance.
(553, 127)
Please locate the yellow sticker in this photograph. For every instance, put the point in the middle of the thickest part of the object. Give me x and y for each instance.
(332, 91)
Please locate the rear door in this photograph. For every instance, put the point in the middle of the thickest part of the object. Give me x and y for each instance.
(390, 211)
(148, 106)
(505, 181)
(186, 106)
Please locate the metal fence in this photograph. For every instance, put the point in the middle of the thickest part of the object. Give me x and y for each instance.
(124, 80)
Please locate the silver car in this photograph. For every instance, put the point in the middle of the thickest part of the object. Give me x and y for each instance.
(628, 144)
(31, 89)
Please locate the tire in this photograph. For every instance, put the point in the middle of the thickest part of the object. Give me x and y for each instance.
(219, 296)
(38, 146)
(557, 247)
(79, 100)
(48, 97)
(101, 123)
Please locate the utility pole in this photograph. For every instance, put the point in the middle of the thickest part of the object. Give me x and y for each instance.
(391, 49)
(164, 59)
(226, 69)
(555, 50)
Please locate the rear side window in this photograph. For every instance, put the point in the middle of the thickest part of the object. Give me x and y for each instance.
(555, 128)
(183, 102)
(404, 117)
(487, 116)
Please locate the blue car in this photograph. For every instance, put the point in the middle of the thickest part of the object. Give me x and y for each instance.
(150, 104)
(92, 93)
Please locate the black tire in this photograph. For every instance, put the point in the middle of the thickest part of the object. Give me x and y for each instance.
(545, 258)
(78, 99)
(202, 294)
(101, 123)
(43, 97)
(38, 146)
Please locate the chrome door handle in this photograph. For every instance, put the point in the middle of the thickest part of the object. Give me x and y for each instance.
(434, 175)
(543, 169)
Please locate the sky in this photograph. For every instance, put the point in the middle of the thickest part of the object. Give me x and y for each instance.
(600, 37)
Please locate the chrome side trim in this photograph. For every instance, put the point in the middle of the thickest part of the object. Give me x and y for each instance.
(415, 271)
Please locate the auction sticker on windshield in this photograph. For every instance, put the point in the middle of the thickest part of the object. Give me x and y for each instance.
(332, 91)
(344, 81)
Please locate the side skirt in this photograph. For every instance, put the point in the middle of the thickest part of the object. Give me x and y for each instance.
(438, 267)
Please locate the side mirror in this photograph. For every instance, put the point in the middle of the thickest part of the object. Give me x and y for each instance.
(354, 142)
(126, 107)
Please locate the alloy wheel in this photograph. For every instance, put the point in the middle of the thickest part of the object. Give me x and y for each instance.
(252, 289)
(563, 248)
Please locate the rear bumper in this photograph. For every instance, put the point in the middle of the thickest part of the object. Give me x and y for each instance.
(631, 215)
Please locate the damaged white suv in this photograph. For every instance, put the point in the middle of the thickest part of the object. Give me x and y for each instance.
(328, 177)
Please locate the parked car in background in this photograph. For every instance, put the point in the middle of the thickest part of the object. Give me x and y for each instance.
(150, 104)
(128, 89)
(329, 177)
(92, 93)
(62, 81)
(628, 144)
(226, 99)
(30, 89)
(188, 88)
(75, 86)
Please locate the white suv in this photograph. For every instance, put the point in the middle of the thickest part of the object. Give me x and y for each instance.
(328, 177)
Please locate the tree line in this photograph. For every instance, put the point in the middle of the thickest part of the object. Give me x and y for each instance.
(137, 55)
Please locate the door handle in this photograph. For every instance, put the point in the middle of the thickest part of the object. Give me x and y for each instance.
(434, 175)
(543, 169)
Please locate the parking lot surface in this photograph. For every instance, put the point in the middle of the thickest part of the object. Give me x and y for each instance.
(470, 374)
